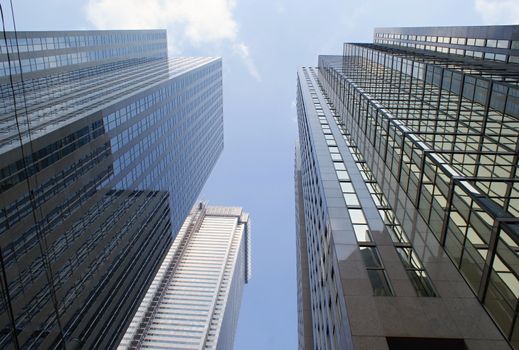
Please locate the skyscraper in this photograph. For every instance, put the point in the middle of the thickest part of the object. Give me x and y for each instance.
(105, 144)
(194, 300)
(408, 192)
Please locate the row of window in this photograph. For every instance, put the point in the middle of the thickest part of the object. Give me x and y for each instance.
(455, 51)
(68, 41)
(326, 314)
(26, 65)
(493, 43)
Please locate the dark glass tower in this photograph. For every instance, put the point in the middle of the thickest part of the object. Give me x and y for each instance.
(105, 144)
(409, 191)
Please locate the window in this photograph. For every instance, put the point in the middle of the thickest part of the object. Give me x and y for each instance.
(491, 43)
(342, 175)
(357, 216)
(362, 233)
(503, 44)
(376, 274)
(416, 272)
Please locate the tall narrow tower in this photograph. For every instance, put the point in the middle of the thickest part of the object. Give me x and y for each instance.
(194, 300)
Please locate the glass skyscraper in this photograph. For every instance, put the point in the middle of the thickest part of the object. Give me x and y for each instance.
(105, 143)
(194, 300)
(408, 193)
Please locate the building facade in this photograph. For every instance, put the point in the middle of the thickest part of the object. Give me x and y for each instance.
(105, 144)
(194, 300)
(409, 192)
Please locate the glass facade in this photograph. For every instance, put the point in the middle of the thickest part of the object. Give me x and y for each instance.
(428, 140)
(102, 155)
(496, 43)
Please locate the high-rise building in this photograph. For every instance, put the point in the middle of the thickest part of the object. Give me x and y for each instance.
(408, 192)
(194, 300)
(105, 144)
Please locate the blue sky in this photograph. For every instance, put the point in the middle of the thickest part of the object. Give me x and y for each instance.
(262, 43)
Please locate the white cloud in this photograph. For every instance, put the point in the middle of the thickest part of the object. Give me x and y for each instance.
(243, 51)
(198, 22)
(498, 11)
(279, 7)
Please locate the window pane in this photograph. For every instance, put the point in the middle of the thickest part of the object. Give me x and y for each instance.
(421, 283)
(362, 233)
(339, 166)
(351, 199)
(370, 257)
(347, 187)
(342, 175)
(502, 44)
(409, 258)
(379, 283)
(397, 234)
(336, 156)
(357, 216)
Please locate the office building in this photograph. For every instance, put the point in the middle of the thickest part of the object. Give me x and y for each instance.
(194, 300)
(105, 144)
(408, 193)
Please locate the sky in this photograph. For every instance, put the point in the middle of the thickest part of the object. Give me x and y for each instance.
(262, 43)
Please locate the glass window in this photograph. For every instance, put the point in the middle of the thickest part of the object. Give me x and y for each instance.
(357, 216)
(342, 175)
(379, 283)
(480, 42)
(347, 187)
(409, 258)
(500, 57)
(503, 44)
(339, 166)
(491, 43)
(471, 42)
(370, 257)
(362, 233)
(351, 199)
(489, 56)
(421, 283)
(416, 272)
(397, 234)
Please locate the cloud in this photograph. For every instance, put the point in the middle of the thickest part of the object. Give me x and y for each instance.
(498, 11)
(279, 7)
(243, 51)
(198, 22)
